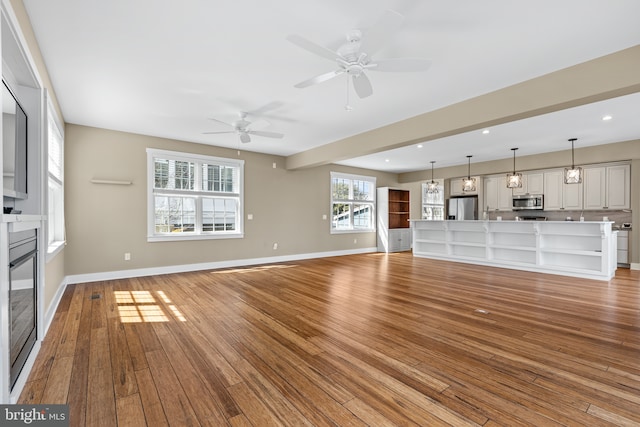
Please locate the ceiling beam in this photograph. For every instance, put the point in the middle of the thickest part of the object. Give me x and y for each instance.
(602, 78)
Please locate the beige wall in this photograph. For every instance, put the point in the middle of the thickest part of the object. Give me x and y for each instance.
(54, 275)
(105, 221)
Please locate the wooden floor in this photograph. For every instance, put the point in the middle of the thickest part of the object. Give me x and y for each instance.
(369, 339)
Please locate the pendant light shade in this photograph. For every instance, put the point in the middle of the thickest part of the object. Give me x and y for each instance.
(514, 180)
(468, 183)
(432, 187)
(573, 175)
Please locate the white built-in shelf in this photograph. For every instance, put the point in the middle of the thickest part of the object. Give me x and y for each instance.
(582, 249)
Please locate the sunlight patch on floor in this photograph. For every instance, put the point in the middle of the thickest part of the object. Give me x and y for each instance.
(142, 306)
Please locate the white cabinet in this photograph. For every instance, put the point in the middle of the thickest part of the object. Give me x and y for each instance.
(455, 186)
(619, 187)
(497, 197)
(607, 187)
(558, 195)
(532, 183)
(571, 196)
(623, 247)
(595, 188)
(553, 190)
(399, 240)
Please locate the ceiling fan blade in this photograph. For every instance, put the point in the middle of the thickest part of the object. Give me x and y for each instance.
(375, 37)
(266, 108)
(259, 123)
(244, 137)
(220, 121)
(362, 85)
(218, 133)
(312, 47)
(267, 134)
(319, 79)
(401, 64)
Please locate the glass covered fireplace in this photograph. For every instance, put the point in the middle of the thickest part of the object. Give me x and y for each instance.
(23, 249)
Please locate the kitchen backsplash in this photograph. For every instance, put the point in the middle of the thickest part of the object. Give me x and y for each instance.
(619, 217)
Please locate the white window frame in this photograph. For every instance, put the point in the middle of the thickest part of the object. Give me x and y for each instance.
(55, 232)
(197, 234)
(351, 200)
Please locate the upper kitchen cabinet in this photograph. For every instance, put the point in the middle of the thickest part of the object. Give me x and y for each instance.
(558, 195)
(497, 197)
(532, 183)
(607, 187)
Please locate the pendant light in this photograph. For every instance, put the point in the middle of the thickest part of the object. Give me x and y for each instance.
(514, 180)
(432, 187)
(573, 175)
(468, 183)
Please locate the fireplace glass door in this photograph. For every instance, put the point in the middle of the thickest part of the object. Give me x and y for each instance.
(23, 249)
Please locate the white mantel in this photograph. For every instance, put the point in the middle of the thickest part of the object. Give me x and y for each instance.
(579, 249)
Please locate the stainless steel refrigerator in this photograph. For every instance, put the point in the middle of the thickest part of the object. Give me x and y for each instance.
(462, 208)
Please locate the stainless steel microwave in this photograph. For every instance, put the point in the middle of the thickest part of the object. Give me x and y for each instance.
(527, 201)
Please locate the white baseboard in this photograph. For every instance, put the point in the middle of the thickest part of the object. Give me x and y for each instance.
(123, 274)
(53, 307)
(634, 266)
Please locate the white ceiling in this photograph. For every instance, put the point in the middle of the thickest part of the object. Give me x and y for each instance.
(163, 68)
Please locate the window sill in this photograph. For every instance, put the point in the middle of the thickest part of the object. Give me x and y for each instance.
(54, 249)
(352, 231)
(174, 238)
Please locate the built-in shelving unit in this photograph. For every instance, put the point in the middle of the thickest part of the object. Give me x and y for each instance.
(21, 258)
(393, 210)
(581, 249)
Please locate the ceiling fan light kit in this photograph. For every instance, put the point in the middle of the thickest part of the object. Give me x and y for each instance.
(572, 175)
(514, 180)
(355, 57)
(468, 183)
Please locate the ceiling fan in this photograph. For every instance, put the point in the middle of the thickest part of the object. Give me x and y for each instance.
(243, 128)
(355, 57)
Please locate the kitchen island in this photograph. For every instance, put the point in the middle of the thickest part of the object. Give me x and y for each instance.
(579, 249)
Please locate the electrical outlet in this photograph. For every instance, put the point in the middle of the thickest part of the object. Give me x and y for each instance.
(355, 240)
(275, 246)
(127, 256)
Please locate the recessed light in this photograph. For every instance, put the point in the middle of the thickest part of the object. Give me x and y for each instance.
(419, 145)
(486, 131)
(386, 160)
(607, 117)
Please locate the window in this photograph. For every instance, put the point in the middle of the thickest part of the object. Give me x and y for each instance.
(433, 203)
(353, 200)
(193, 196)
(55, 148)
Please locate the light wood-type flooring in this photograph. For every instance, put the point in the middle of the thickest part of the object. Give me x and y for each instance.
(373, 339)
